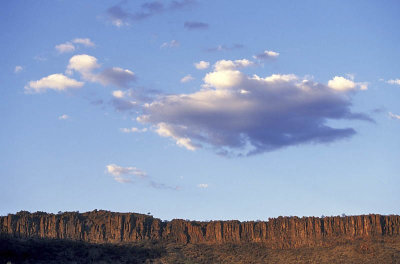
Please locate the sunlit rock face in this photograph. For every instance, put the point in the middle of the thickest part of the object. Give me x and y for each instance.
(281, 232)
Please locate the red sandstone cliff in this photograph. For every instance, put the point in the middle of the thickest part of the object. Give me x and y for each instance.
(282, 232)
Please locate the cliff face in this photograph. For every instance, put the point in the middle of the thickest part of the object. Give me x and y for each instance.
(281, 232)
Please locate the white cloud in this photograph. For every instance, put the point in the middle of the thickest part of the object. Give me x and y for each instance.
(395, 81)
(166, 130)
(65, 47)
(172, 44)
(267, 54)
(58, 82)
(86, 64)
(18, 68)
(340, 83)
(84, 41)
(129, 174)
(63, 117)
(394, 116)
(187, 78)
(70, 47)
(223, 65)
(118, 94)
(202, 185)
(122, 174)
(202, 65)
(241, 114)
(133, 130)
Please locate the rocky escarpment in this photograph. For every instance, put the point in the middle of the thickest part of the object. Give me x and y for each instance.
(281, 232)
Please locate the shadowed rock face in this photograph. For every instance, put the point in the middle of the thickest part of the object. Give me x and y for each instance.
(281, 232)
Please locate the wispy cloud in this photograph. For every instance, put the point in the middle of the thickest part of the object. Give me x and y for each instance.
(84, 41)
(65, 47)
(18, 68)
(130, 174)
(224, 48)
(394, 81)
(119, 14)
(195, 25)
(237, 114)
(63, 117)
(70, 47)
(394, 116)
(133, 130)
(267, 54)
(187, 78)
(171, 44)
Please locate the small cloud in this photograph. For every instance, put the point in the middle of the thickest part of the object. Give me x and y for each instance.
(122, 105)
(86, 64)
(118, 94)
(394, 116)
(58, 82)
(202, 65)
(39, 58)
(116, 76)
(224, 48)
(65, 47)
(120, 16)
(63, 117)
(202, 185)
(267, 54)
(395, 81)
(165, 130)
(340, 83)
(123, 174)
(84, 41)
(129, 174)
(18, 68)
(193, 25)
(172, 44)
(70, 47)
(187, 78)
(133, 130)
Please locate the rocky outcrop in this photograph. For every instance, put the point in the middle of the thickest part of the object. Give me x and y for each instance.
(281, 232)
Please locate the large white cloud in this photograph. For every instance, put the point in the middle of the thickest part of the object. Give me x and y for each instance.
(241, 114)
(58, 82)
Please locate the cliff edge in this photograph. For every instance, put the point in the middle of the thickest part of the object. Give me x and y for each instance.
(282, 232)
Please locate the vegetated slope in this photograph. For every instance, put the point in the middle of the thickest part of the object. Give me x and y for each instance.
(58, 251)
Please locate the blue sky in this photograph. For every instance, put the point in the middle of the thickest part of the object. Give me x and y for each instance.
(200, 109)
